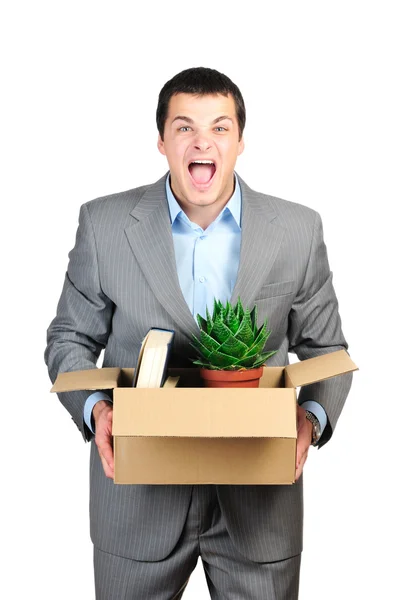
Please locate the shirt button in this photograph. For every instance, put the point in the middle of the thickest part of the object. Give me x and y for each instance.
(201, 279)
(202, 237)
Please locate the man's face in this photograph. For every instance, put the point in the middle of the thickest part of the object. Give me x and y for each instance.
(203, 128)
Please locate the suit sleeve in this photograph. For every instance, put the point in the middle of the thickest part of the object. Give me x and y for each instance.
(81, 327)
(315, 329)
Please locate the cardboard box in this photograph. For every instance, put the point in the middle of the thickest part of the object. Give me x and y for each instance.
(197, 435)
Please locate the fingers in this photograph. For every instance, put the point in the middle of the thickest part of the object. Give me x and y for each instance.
(303, 444)
(304, 438)
(109, 471)
(304, 435)
(105, 451)
(104, 441)
(300, 466)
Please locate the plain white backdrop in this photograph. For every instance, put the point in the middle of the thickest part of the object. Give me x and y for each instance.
(80, 87)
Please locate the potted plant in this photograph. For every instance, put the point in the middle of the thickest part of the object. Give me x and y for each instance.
(230, 347)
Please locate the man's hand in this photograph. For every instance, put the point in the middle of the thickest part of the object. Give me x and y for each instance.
(103, 413)
(304, 439)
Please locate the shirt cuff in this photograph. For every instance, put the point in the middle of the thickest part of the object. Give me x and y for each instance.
(89, 405)
(316, 410)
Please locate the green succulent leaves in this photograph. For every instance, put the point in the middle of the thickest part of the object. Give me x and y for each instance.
(229, 338)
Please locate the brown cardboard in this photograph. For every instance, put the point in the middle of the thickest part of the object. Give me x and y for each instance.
(318, 368)
(193, 434)
(91, 379)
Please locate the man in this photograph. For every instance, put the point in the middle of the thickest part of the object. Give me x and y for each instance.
(155, 256)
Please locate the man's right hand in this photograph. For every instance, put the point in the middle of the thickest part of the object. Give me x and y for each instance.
(103, 414)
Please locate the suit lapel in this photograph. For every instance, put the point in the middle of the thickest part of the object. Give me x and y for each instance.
(260, 243)
(151, 241)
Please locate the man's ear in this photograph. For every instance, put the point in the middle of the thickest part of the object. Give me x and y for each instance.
(161, 145)
(241, 145)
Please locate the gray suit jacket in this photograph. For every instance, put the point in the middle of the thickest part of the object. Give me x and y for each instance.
(122, 280)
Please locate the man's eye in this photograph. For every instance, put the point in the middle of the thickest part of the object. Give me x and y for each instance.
(183, 127)
(221, 128)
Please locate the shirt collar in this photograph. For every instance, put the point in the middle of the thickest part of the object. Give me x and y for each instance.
(234, 204)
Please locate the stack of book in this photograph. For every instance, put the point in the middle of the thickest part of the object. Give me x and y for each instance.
(151, 369)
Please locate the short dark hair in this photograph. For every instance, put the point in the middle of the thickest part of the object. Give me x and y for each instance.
(199, 81)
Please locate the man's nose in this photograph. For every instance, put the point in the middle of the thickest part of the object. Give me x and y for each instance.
(202, 143)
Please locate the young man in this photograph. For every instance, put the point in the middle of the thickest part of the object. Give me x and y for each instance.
(156, 256)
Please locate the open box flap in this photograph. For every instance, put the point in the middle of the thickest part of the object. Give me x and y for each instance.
(91, 379)
(318, 368)
(204, 412)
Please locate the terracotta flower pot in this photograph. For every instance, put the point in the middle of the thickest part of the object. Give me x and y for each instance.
(248, 378)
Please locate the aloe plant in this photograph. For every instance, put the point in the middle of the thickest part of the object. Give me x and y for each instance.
(229, 338)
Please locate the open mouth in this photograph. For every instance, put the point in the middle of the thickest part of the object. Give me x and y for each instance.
(202, 171)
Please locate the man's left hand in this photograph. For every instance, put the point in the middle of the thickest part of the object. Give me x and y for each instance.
(304, 439)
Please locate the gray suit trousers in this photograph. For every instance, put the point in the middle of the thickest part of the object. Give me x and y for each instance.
(228, 573)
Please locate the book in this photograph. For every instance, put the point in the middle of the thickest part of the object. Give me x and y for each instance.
(171, 382)
(151, 369)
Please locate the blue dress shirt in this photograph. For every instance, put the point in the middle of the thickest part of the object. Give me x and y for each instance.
(207, 266)
(207, 260)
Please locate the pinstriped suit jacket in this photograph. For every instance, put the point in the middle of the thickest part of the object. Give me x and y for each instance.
(122, 280)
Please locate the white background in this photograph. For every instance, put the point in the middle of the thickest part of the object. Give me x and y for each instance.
(80, 87)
